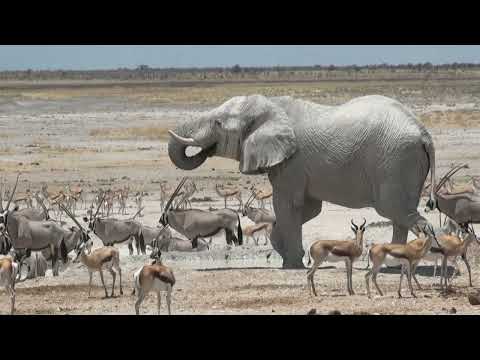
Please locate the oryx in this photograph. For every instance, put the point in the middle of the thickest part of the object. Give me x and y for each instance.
(28, 231)
(195, 223)
(257, 215)
(113, 231)
(150, 234)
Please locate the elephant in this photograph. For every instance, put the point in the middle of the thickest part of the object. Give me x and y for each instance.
(369, 152)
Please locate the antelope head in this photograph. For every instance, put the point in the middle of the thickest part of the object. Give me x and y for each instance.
(164, 218)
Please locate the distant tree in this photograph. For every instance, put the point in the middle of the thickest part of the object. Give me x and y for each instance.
(236, 69)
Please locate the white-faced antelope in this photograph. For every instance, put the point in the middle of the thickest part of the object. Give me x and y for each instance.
(337, 250)
(8, 274)
(106, 257)
(453, 246)
(407, 255)
(155, 277)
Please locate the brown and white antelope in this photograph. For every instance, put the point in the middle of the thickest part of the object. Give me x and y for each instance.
(256, 229)
(155, 277)
(8, 274)
(407, 255)
(106, 257)
(453, 246)
(227, 193)
(262, 196)
(337, 250)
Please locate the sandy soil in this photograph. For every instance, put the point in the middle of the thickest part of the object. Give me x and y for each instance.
(55, 142)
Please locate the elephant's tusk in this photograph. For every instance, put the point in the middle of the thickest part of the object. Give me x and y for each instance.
(182, 140)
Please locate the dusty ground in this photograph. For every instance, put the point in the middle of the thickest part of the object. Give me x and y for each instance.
(116, 136)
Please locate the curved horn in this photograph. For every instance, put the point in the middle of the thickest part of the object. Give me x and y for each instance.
(449, 174)
(356, 227)
(182, 140)
(364, 222)
(13, 192)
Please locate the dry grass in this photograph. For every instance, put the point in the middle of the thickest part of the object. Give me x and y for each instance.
(452, 119)
(328, 92)
(150, 133)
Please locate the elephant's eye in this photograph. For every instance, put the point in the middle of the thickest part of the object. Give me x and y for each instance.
(217, 122)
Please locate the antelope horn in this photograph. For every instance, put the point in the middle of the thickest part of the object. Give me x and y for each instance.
(138, 212)
(99, 205)
(251, 198)
(356, 227)
(364, 222)
(40, 201)
(13, 192)
(1, 196)
(72, 217)
(449, 174)
(175, 193)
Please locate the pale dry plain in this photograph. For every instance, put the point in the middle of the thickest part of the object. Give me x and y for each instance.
(109, 136)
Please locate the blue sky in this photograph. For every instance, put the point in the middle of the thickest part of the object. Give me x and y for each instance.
(21, 57)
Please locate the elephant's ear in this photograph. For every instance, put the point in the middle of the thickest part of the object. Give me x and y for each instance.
(269, 144)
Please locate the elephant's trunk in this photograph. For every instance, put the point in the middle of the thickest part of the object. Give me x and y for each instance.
(176, 152)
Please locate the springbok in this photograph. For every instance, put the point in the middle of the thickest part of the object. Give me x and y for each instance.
(261, 196)
(229, 193)
(139, 200)
(106, 257)
(337, 250)
(155, 277)
(252, 230)
(407, 255)
(8, 274)
(453, 246)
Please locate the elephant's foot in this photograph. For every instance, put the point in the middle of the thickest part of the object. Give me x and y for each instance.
(293, 263)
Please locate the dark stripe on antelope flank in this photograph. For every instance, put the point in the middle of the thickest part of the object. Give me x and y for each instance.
(436, 250)
(397, 255)
(107, 259)
(166, 277)
(339, 252)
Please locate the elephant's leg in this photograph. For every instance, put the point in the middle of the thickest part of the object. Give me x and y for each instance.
(287, 235)
(400, 234)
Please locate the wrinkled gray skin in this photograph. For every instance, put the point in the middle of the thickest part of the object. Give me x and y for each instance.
(369, 152)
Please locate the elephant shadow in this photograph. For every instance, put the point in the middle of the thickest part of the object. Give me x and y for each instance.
(426, 270)
(239, 268)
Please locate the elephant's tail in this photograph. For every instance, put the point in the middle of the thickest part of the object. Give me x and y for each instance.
(239, 231)
(430, 150)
